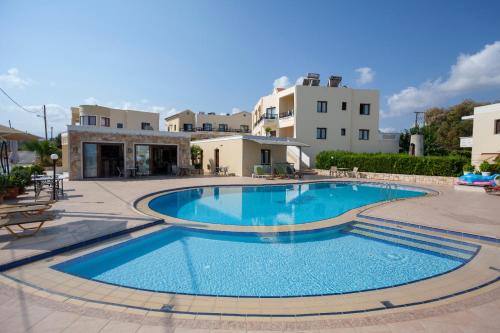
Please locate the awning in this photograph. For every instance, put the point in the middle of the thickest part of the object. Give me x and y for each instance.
(266, 140)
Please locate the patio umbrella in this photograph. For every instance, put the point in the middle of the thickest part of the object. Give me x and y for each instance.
(11, 134)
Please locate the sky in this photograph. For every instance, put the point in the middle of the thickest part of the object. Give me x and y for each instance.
(222, 56)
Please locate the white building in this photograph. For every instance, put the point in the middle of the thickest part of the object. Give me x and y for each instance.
(328, 117)
(485, 140)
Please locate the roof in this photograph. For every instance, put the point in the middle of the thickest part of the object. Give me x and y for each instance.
(8, 133)
(263, 140)
(124, 131)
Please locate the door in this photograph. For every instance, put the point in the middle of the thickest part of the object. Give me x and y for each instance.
(89, 160)
(216, 159)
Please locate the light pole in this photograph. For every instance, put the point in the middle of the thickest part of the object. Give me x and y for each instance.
(54, 158)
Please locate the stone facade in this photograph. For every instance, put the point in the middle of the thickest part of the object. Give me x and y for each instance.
(75, 138)
(417, 179)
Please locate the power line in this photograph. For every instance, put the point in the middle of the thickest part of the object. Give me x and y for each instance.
(16, 103)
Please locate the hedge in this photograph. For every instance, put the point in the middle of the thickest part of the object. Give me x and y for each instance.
(393, 163)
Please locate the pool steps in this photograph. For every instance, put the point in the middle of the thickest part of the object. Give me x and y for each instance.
(419, 236)
(411, 239)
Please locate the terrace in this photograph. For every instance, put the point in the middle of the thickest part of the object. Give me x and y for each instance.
(35, 297)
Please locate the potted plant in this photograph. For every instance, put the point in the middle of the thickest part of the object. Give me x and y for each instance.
(485, 168)
(12, 191)
(468, 169)
(3, 187)
(21, 177)
(268, 131)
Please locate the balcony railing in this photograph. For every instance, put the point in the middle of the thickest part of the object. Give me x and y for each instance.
(201, 129)
(266, 116)
(287, 114)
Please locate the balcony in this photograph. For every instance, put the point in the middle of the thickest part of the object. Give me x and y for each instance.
(265, 118)
(227, 130)
(287, 114)
(466, 142)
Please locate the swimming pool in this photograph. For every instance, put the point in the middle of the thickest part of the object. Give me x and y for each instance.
(270, 205)
(350, 258)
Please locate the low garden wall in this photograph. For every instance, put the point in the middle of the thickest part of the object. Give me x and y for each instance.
(417, 179)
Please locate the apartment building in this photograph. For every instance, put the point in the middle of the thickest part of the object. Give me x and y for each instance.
(209, 124)
(330, 117)
(101, 116)
(485, 140)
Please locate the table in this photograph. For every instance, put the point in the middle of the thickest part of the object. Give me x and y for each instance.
(40, 181)
(343, 171)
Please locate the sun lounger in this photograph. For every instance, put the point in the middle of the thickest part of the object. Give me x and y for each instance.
(28, 203)
(355, 173)
(334, 172)
(24, 210)
(22, 221)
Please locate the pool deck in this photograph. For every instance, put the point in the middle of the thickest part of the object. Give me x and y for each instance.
(40, 299)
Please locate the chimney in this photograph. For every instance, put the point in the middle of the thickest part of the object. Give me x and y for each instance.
(334, 81)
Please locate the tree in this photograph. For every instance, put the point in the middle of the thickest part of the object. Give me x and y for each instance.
(43, 150)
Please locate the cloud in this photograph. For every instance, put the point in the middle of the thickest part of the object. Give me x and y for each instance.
(281, 82)
(12, 79)
(235, 110)
(470, 73)
(91, 101)
(388, 130)
(299, 80)
(366, 75)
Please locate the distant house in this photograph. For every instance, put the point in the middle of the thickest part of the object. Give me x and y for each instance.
(101, 116)
(485, 140)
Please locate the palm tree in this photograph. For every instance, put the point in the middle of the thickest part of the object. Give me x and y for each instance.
(43, 150)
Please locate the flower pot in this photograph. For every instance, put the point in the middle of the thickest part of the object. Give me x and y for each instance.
(467, 173)
(484, 173)
(12, 193)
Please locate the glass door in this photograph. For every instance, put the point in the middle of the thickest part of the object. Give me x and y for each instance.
(142, 159)
(89, 160)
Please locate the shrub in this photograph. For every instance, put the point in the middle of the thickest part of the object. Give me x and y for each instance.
(393, 163)
(468, 167)
(37, 168)
(485, 167)
(20, 176)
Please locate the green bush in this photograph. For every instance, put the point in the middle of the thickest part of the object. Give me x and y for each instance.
(485, 167)
(393, 163)
(37, 168)
(468, 167)
(20, 176)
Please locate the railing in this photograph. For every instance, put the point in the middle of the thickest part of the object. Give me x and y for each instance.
(261, 118)
(232, 130)
(287, 114)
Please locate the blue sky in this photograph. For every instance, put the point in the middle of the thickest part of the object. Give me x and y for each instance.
(221, 56)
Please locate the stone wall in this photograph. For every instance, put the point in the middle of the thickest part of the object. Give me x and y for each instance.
(417, 179)
(75, 139)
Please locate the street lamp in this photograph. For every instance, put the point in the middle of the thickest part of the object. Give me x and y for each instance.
(54, 158)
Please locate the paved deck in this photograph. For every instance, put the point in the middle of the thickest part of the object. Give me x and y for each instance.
(95, 208)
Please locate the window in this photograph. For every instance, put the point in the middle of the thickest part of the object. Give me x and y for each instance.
(188, 127)
(497, 126)
(119, 125)
(146, 126)
(364, 109)
(321, 107)
(344, 106)
(342, 131)
(364, 134)
(105, 122)
(88, 120)
(265, 156)
(244, 128)
(321, 133)
(222, 127)
(271, 113)
(207, 127)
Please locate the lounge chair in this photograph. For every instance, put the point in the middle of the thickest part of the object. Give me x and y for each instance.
(21, 221)
(28, 203)
(334, 172)
(355, 173)
(24, 210)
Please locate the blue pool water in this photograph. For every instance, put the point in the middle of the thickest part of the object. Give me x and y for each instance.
(307, 263)
(273, 205)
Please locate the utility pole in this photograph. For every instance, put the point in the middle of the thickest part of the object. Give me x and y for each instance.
(10, 126)
(45, 121)
(51, 133)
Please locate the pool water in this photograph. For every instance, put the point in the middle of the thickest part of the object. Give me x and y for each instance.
(274, 205)
(330, 261)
